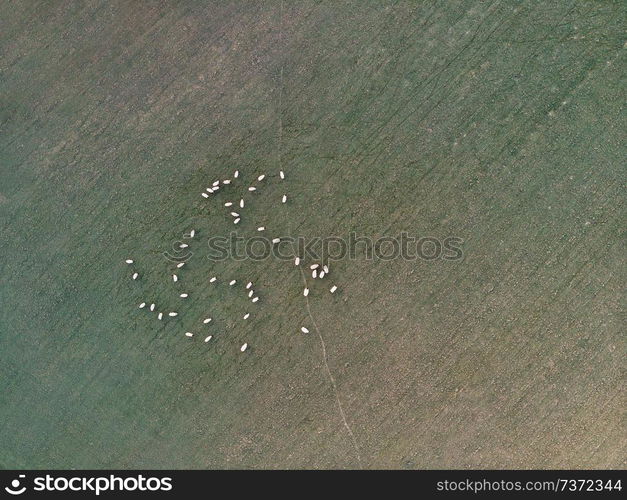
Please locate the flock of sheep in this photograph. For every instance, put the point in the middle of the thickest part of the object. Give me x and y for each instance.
(318, 271)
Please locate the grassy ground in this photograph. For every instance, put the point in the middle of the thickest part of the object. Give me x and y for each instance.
(498, 122)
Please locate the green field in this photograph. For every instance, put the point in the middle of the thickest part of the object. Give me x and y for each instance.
(498, 122)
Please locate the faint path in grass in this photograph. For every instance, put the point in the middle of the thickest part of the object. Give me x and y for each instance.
(311, 317)
(331, 377)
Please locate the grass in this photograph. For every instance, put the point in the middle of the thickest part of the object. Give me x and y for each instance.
(498, 122)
